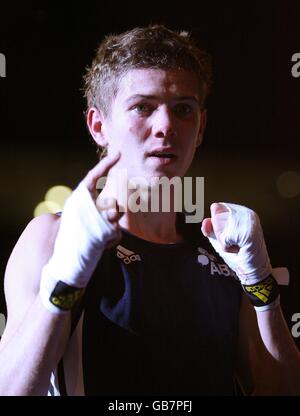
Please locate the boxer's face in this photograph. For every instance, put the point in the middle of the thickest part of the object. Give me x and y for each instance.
(155, 122)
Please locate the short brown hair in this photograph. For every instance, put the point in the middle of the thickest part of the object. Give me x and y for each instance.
(154, 46)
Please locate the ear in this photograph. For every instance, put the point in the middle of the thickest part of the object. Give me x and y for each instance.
(95, 121)
(203, 118)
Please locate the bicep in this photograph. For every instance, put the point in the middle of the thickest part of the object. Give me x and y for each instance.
(23, 271)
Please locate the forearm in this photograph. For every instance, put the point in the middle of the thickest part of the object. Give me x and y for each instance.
(284, 355)
(31, 353)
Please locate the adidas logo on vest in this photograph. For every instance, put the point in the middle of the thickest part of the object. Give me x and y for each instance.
(126, 255)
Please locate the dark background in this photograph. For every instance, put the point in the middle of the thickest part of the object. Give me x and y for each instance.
(253, 127)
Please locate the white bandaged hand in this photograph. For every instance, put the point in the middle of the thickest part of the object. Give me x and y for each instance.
(239, 227)
(83, 235)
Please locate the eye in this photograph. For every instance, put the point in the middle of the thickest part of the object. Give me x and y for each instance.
(182, 109)
(143, 108)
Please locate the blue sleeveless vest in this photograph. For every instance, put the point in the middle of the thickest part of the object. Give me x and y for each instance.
(160, 319)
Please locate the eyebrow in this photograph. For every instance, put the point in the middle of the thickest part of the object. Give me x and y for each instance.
(154, 97)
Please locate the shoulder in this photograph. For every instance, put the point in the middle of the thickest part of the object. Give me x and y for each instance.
(36, 241)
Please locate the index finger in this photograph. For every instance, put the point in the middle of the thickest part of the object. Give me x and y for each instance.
(101, 169)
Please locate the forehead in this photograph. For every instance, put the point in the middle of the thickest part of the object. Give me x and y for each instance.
(158, 82)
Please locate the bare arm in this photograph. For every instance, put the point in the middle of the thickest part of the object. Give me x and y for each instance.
(268, 360)
(51, 250)
(34, 338)
(285, 355)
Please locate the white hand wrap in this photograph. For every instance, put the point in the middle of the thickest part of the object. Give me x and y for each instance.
(243, 229)
(251, 263)
(82, 237)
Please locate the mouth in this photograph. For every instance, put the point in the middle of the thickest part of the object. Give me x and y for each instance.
(162, 158)
(162, 155)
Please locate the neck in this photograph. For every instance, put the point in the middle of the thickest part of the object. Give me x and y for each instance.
(157, 227)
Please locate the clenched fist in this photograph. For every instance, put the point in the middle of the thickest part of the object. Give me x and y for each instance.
(236, 234)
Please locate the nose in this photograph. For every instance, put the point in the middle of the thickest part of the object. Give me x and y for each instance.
(164, 124)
